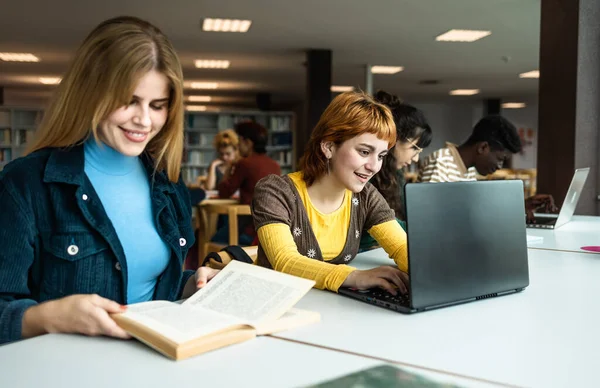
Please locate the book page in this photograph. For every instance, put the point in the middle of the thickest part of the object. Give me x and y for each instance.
(177, 322)
(250, 293)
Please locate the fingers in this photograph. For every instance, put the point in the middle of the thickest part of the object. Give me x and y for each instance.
(394, 276)
(107, 304)
(383, 283)
(204, 274)
(107, 326)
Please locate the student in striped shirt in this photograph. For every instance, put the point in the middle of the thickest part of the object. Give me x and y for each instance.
(493, 140)
(491, 143)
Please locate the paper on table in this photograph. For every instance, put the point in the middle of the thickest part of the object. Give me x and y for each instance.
(534, 239)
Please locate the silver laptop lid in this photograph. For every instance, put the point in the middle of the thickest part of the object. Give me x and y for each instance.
(570, 203)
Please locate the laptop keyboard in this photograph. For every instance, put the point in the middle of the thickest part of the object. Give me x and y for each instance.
(400, 299)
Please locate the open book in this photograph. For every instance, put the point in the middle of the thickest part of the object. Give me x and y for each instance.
(238, 304)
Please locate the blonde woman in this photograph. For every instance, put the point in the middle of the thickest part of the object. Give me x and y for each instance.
(310, 222)
(226, 144)
(96, 215)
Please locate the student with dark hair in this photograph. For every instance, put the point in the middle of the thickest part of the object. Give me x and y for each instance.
(253, 166)
(412, 135)
(491, 143)
(244, 175)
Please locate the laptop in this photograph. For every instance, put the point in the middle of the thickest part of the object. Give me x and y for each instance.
(554, 221)
(462, 246)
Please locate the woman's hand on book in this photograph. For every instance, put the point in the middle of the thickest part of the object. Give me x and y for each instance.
(199, 280)
(389, 278)
(83, 314)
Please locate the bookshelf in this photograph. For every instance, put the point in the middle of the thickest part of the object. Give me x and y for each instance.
(17, 126)
(201, 128)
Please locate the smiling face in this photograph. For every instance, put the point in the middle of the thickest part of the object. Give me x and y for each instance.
(488, 160)
(406, 152)
(356, 160)
(130, 128)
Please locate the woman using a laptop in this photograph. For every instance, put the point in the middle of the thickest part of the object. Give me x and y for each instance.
(310, 222)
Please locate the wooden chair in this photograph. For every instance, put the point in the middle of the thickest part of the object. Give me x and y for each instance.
(209, 211)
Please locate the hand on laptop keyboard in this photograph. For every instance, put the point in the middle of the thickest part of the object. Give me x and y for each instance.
(389, 278)
(543, 203)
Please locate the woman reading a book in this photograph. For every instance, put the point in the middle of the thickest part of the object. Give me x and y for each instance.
(310, 222)
(96, 215)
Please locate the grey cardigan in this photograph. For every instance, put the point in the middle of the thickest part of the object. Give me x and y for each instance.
(276, 200)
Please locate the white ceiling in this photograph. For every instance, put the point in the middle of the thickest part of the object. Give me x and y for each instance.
(270, 57)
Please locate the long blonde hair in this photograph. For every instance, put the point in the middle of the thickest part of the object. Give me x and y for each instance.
(103, 76)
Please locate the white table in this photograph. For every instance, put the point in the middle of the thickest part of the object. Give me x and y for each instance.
(581, 231)
(64, 361)
(545, 336)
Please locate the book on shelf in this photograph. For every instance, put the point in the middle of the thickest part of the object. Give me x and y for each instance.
(5, 137)
(238, 304)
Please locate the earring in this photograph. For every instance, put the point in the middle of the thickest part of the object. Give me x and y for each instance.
(328, 166)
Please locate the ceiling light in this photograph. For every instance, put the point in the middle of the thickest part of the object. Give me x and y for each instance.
(211, 64)
(464, 92)
(342, 89)
(513, 105)
(226, 25)
(195, 108)
(50, 80)
(18, 57)
(462, 36)
(204, 85)
(199, 98)
(386, 69)
(530, 74)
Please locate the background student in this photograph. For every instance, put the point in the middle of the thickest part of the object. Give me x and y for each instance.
(226, 144)
(243, 176)
(412, 135)
(491, 143)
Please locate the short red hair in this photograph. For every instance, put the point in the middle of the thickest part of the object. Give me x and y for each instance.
(349, 115)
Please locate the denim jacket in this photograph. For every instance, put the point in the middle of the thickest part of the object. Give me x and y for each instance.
(56, 239)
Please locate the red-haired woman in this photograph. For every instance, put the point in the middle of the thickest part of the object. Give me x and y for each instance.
(310, 222)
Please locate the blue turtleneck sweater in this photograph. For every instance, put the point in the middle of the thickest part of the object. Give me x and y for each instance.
(124, 190)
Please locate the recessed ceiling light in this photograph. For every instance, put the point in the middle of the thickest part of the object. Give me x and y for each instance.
(18, 57)
(462, 35)
(199, 98)
(530, 74)
(50, 80)
(195, 108)
(226, 25)
(386, 69)
(341, 89)
(513, 105)
(204, 85)
(464, 92)
(211, 64)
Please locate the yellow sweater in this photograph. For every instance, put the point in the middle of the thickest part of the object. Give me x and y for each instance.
(331, 232)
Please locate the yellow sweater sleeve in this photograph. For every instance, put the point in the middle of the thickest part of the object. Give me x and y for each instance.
(392, 238)
(282, 252)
